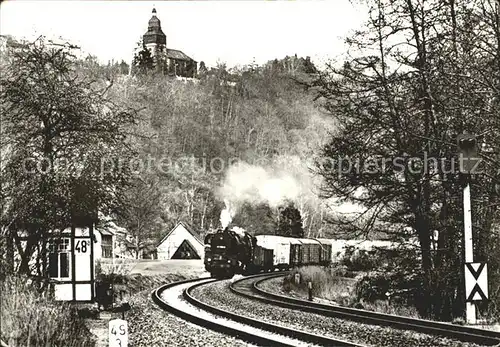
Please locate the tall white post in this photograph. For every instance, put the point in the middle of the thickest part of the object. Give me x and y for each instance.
(470, 306)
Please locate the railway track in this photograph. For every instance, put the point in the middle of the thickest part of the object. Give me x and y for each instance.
(249, 287)
(177, 299)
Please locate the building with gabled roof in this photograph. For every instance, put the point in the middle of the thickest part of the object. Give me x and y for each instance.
(170, 61)
(182, 242)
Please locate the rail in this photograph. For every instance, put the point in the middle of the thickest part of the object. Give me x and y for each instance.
(241, 334)
(462, 333)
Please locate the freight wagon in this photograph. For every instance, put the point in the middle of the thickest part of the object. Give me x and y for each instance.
(262, 260)
(335, 248)
(280, 247)
(228, 253)
(310, 252)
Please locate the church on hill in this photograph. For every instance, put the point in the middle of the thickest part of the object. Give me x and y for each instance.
(167, 60)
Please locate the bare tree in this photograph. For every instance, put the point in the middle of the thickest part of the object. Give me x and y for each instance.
(414, 85)
(58, 128)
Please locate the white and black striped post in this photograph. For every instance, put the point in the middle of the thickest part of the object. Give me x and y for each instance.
(469, 258)
(467, 146)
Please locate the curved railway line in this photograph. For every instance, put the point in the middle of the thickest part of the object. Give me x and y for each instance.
(249, 287)
(177, 299)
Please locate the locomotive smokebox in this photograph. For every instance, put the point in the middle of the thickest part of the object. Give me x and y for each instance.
(230, 250)
(222, 230)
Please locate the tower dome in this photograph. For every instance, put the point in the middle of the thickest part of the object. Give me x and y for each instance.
(154, 22)
(154, 33)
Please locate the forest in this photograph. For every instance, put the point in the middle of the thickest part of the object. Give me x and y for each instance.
(264, 142)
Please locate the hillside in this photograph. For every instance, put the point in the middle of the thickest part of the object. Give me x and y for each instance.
(192, 133)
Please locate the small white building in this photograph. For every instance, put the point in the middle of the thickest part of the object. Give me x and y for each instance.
(71, 260)
(180, 243)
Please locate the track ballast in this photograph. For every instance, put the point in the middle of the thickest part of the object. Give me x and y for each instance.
(249, 288)
(244, 328)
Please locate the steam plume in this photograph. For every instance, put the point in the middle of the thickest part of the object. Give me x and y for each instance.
(255, 184)
(226, 215)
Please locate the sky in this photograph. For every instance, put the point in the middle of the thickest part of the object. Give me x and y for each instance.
(234, 32)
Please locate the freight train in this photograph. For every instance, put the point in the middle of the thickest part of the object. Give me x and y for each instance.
(234, 251)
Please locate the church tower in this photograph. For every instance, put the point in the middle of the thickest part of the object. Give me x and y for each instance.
(154, 38)
(167, 61)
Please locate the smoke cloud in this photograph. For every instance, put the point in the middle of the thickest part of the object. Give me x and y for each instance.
(226, 215)
(245, 183)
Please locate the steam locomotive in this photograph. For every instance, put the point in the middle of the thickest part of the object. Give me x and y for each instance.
(235, 251)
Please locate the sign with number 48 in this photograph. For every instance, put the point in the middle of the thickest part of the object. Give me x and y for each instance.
(118, 333)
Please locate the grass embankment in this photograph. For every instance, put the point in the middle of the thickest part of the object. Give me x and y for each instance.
(138, 278)
(30, 319)
(139, 275)
(339, 285)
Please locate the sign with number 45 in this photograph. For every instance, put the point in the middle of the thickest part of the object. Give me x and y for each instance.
(118, 333)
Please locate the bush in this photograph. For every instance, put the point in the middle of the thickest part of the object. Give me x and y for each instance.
(327, 283)
(398, 287)
(112, 281)
(385, 306)
(342, 271)
(358, 260)
(373, 286)
(30, 319)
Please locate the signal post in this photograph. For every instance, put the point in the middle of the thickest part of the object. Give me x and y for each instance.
(476, 283)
